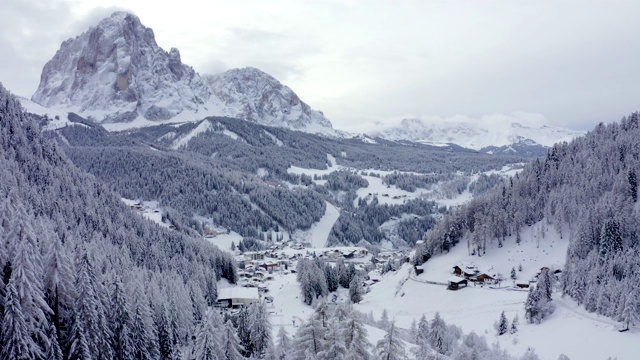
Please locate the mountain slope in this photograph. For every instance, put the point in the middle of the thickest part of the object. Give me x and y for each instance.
(587, 190)
(476, 135)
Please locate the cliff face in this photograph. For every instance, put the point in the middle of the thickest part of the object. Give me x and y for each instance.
(116, 72)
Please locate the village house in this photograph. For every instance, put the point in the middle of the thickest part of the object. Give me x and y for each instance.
(465, 271)
(234, 297)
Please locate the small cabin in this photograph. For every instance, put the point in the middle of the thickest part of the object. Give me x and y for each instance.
(456, 282)
(522, 284)
(419, 269)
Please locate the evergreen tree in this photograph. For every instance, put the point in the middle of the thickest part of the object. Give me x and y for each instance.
(503, 325)
(283, 344)
(208, 345)
(260, 329)
(437, 334)
(514, 325)
(121, 323)
(231, 343)
(391, 347)
(384, 319)
(356, 340)
(309, 340)
(355, 289)
(17, 342)
(336, 344)
(629, 314)
(513, 273)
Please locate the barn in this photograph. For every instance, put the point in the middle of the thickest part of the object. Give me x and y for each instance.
(456, 282)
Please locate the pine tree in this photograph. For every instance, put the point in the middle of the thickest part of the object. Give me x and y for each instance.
(283, 344)
(384, 319)
(437, 334)
(532, 306)
(260, 329)
(503, 325)
(355, 289)
(121, 323)
(356, 339)
(629, 315)
(208, 345)
(391, 347)
(231, 343)
(17, 342)
(310, 339)
(514, 325)
(336, 344)
(513, 273)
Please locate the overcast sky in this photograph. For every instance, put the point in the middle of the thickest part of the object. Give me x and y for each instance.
(567, 63)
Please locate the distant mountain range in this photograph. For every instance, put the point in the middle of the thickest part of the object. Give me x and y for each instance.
(513, 137)
(116, 74)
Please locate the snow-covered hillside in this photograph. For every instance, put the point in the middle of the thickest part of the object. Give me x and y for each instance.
(406, 297)
(117, 74)
(476, 134)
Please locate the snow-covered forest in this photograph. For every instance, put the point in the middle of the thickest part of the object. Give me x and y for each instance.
(81, 278)
(586, 190)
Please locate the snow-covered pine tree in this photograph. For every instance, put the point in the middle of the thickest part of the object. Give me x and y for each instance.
(390, 347)
(309, 340)
(629, 313)
(437, 333)
(513, 273)
(336, 343)
(514, 325)
(260, 329)
(384, 319)
(232, 349)
(355, 289)
(121, 323)
(17, 342)
(503, 324)
(283, 344)
(356, 340)
(207, 344)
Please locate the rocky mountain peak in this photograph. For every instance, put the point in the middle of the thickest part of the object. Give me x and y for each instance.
(252, 94)
(116, 72)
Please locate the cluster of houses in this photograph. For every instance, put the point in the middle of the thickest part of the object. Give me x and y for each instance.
(463, 274)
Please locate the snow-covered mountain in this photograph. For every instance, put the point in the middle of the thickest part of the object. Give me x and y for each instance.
(254, 95)
(476, 135)
(117, 74)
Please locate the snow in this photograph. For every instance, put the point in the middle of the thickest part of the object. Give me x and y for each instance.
(38, 109)
(476, 308)
(319, 232)
(237, 292)
(184, 140)
(224, 241)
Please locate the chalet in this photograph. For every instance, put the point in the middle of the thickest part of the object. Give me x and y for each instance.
(465, 271)
(234, 297)
(522, 284)
(485, 278)
(270, 266)
(419, 269)
(456, 282)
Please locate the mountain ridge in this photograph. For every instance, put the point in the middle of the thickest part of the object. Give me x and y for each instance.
(115, 73)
